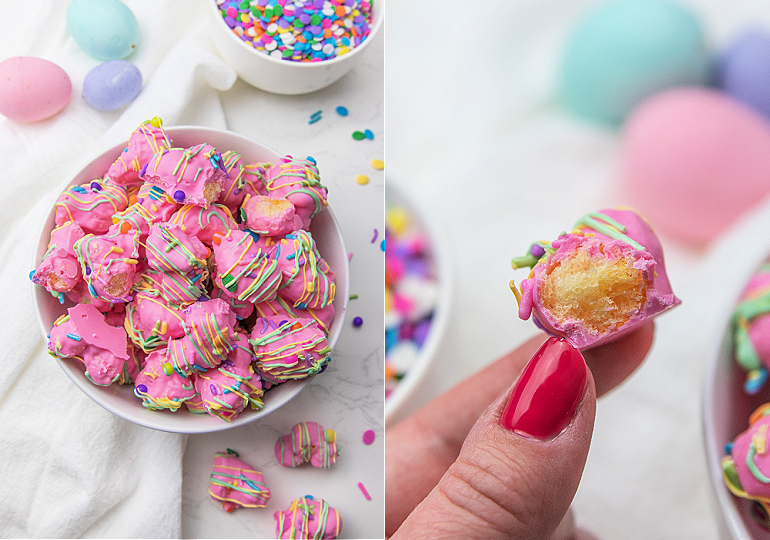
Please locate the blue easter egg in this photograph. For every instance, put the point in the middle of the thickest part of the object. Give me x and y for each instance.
(626, 50)
(744, 70)
(112, 85)
(105, 29)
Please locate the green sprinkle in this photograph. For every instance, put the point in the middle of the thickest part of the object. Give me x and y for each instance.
(358, 135)
(353, 297)
(233, 452)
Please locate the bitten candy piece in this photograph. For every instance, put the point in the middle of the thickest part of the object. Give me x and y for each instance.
(85, 335)
(59, 270)
(145, 141)
(243, 268)
(272, 216)
(289, 348)
(308, 518)
(307, 442)
(298, 181)
(193, 175)
(91, 205)
(108, 264)
(751, 330)
(236, 483)
(597, 282)
(746, 467)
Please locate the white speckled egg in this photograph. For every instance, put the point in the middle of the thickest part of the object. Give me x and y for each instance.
(112, 85)
(32, 89)
(105, 29)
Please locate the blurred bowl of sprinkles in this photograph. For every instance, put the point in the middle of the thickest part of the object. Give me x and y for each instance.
(293, 47)
(417, 295)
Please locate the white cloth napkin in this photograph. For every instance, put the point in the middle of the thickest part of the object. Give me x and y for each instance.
(69, 467)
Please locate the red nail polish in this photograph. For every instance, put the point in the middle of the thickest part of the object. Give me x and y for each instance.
(545, 397)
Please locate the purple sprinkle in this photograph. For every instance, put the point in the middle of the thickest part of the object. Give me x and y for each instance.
(179, 195)
(230, 22)
(96, 186)
(142, 389)
(358, 321)
(144, 169)
(537, 251)
(213, 389)
(88, 270)
(237, 191)
(374, 238)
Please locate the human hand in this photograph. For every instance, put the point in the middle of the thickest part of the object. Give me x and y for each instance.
(462, 468)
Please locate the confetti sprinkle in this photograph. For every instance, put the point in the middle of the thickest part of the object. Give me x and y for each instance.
(378, 164)
(374, 239)
(358, 321)
(368, 134)
(362, 179)
(363, 490)
(342, 111)
(369, 436)
(359, 135)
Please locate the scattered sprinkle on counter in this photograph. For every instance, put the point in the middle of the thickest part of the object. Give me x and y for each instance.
(359, 135)
(342, 111)
(369, 436)
(358, 321)
(378, 164)
(315, 117)
(368, 134)
(362, 179)
(363, 490)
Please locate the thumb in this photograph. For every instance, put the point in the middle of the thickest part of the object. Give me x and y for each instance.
(521, 463)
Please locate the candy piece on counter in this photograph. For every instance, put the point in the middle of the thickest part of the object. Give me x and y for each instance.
(699, 141)
(59, 271)
(243, 267)
(112, 85)
(159, 386)
(288, 349)
(746, 467)
(91, 205)
(84, 334)
(108, 264)
(105, 29)
(624, 51)
(236, 483)
(33, 89)
(597, 282)
(192, 175)
(750, 322)
(308, 518)
(744, 69)
(271, 216)
(307, 442)
(298, 181)
(145, 141)
(307, 282)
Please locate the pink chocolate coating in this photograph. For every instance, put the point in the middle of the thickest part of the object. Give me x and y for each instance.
(237, 484)
(211, 326)
(308, 518)
(193, 175)
(145, 141)
(307, 442)
(169, 249)
(289, 348)
(91, 205)
(308, 282)
(204, 223)
(649, 261)
(150, 321)
(108, 264)
(242, 308)
(59, 270)
(298, 181)
(280, 308)
(232, 192)
(244, 269)
(271, 216)
(179, 290)
(159, 386)
(750, 451)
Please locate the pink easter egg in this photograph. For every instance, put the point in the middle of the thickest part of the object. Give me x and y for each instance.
(693, 160)
(32, 88)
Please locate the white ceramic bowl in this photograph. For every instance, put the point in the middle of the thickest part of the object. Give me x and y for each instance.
(282, 76)
(398, 402)
(120, 399)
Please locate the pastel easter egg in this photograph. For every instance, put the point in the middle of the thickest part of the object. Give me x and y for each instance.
(112, 85)
(744, 69)
(693, 160)
(626, 50)
(32, 88)
(105, 29)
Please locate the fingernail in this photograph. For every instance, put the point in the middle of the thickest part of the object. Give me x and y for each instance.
(546, 396)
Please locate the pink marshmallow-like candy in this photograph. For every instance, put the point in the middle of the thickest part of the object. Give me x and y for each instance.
(289, 349)
(59, 271)
(232, 386)
(108, 264)
(232, 193)
(236, 483)
(308, 282)
(144, 142)
(308, 518)
(169, 249)
(297, 180)
(307, 442)
(244, 269)
(254, 178)
(751, 330)
(204, 223)
(84, 334)
(281, 308)
(159, 386)
(749, 459)
(91, 205)
(271, 216)
(211, 327)
(192, 175)
(604, 241)
(151, 322)
(242, 308)
(178, 290)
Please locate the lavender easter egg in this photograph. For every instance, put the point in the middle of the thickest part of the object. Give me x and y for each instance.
(32, 88)
(744, 70)
(112, 85)
(693, 160)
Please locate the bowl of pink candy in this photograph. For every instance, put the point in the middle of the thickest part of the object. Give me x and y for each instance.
(417, 296)
(293, 47)
(191, 279)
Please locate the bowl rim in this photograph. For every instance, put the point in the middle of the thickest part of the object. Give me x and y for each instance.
(168, 422)
(395, 404)
(375, 28)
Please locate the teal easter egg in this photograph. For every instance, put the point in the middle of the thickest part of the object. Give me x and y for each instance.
(624, 51)
(105, 29)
